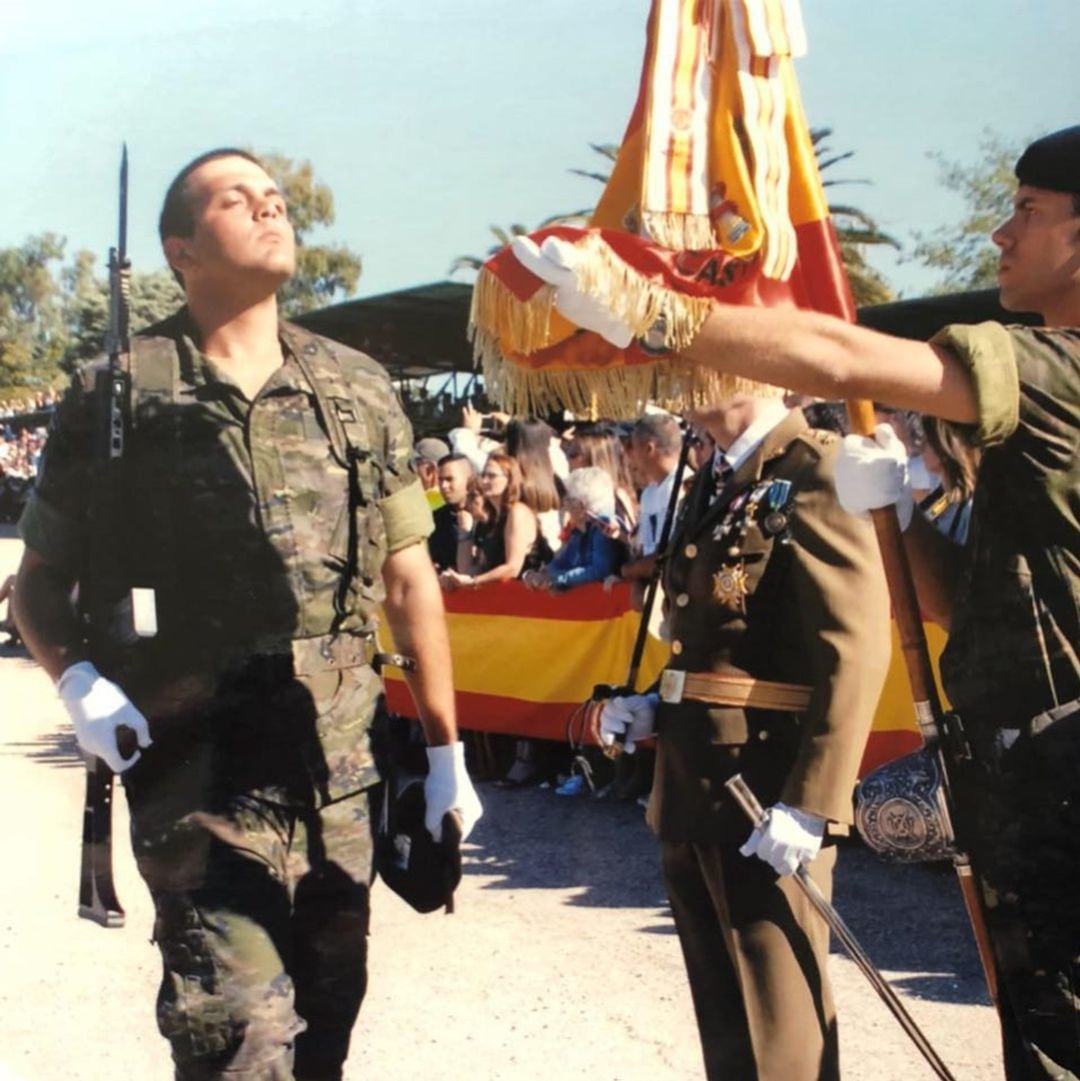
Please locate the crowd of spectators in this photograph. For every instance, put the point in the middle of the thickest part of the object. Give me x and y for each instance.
(516, 499)
(23, 427)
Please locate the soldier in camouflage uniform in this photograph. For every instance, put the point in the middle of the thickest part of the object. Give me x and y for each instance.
(263, 509)
(1011, 597)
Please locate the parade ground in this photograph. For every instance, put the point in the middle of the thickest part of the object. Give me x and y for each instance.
(561, 960)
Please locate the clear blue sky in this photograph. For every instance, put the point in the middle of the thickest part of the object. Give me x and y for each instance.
(431, 120)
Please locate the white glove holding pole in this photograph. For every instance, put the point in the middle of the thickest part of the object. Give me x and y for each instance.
(873, 473)
(632, 717)
(554, 262)
(98, 707)
(787, 839)
(447, 787)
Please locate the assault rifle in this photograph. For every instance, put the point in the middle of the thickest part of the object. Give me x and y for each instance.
(97, 894)
(904, 807)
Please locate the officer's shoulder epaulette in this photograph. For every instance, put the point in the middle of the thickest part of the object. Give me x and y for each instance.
(818, 440)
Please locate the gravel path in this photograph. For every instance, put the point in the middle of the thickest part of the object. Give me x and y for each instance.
(561, 960)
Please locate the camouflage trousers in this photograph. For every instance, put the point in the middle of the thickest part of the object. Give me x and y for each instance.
(1023, 807)
(262, 920)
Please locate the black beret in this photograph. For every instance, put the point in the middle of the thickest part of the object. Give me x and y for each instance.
(421, 871)
(1052, 162)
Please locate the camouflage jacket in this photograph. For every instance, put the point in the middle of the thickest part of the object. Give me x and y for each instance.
(237, 514)
(1014, 638)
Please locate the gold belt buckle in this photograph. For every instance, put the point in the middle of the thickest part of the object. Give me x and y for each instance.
(671, 685)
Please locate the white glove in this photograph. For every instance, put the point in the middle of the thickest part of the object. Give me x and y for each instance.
(554, 262)
(97, 708)
(788, 838)
(633, 716)
(872, 473)
(447, 788)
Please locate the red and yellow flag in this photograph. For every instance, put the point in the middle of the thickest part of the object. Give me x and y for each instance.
(525, 660)
(715, 195)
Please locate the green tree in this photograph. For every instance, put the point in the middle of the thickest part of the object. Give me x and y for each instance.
(855, 229)
(153, 295)
(324, 273)
(32, 329)
(962, 251)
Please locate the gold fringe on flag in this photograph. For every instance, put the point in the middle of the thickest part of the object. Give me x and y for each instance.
(667, 321)
(524, 324)
(680, 232)
(675, 384)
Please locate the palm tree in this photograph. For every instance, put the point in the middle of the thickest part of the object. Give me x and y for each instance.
(855, 229)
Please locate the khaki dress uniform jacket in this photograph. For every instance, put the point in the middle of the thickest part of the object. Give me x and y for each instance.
(772, 580)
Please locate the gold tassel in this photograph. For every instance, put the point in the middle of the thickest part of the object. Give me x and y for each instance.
(680, 232)
(667, 320)
(521, 324)
(651, 309)
(674, 383)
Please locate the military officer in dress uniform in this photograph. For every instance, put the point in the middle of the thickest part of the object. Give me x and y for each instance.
(780, 641)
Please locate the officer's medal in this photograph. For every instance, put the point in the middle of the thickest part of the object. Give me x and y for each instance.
(730, 585)
(776, 521)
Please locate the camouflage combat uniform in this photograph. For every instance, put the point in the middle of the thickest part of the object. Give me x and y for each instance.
(250, 811)
(1012, 655)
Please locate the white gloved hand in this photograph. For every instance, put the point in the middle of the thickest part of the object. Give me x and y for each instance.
(789, 837)
(632, 716)
(872, 473)
(98, 707)
(447, 787)
(554, 262)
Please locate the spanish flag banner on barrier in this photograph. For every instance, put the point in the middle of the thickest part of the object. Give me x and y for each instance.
(715, 194)
(525, 660)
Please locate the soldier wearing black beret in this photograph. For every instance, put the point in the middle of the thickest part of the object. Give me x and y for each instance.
(1011, 597)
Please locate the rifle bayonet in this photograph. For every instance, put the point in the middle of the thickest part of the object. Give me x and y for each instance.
(97, 894)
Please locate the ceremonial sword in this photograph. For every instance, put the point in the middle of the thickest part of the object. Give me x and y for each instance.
(746, 799)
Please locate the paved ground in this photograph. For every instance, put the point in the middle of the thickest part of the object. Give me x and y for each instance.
(561, 960)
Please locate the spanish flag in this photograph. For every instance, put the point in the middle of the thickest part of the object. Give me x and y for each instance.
(715, 195)
(525, 660)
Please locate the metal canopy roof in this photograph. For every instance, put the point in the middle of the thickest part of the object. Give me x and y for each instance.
(413, 333)
(421, 331)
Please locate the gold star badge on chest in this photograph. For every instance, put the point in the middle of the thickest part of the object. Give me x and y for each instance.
(730, 585)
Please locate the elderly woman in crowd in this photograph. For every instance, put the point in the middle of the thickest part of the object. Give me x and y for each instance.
(589, 554)
(599, 445)
(508, 542)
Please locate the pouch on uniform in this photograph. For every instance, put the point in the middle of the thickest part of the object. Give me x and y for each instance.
(1033, 847)
(421, 871)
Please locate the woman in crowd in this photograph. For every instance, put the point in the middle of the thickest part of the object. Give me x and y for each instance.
(536, 447)
(508, 542)
(600, 446)
(589, 553)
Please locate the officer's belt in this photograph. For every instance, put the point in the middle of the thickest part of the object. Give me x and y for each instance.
(726, 689)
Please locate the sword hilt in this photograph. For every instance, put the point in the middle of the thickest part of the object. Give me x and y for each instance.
(745, 798)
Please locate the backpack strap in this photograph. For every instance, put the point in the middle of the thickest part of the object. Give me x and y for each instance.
(349, 426)
(348, 423)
